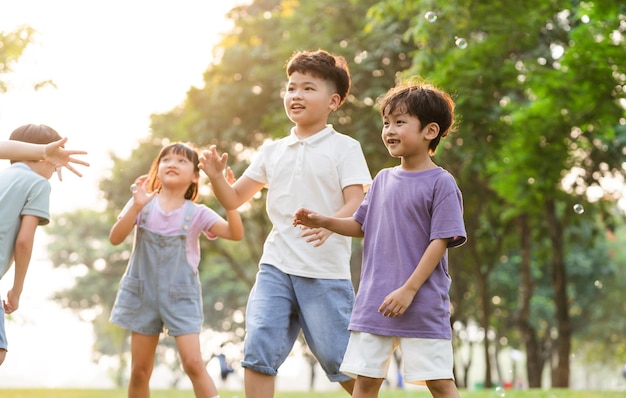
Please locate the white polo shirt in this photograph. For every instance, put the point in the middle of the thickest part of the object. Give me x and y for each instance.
(308, 173)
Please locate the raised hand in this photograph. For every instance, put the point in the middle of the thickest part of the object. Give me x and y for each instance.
(212, 163)
(139, 189)
(61, 157)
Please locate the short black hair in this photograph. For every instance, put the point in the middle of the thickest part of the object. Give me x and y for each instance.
(322, 64)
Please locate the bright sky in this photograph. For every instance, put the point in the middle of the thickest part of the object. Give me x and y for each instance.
(114, 63)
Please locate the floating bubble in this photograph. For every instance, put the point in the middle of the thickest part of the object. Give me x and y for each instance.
(460, 43)
(430, 16)
(578, 208)
(500, 392)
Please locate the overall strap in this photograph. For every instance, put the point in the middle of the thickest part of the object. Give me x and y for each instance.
(145, 211)
(190, 209)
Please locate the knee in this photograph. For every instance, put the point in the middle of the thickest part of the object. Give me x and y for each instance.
(140, 374)
(193, 366)
(443, 387)
(3, 354)
(367, 385)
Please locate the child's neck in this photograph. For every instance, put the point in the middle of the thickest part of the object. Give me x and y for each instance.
(418, 163)
(170, 200)
(306, 131)
(38, 167)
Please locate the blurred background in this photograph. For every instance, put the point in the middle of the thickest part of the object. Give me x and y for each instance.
(537, 293)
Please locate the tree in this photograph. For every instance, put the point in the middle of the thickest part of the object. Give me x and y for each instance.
(12, 46)
(237, 109)
(530, 102)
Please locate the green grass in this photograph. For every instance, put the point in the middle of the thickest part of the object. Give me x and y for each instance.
(83, 393)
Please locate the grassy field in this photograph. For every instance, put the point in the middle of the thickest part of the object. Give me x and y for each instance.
(71, 393)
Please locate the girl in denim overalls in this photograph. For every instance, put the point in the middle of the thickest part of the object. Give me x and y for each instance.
(160, 288)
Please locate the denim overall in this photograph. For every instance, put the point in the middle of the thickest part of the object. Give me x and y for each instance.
(159, 289)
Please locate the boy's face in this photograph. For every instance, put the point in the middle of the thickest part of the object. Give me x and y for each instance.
(403, 134)
(309, 100)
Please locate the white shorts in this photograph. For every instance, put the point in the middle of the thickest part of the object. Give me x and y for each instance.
(423, 359)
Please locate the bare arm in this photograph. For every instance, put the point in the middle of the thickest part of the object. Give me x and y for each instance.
(22, 254)
(232, 228)
(347, 226)
(52, 152)
(229, 196)
(396, 302)
(126, 223)
(352, 197)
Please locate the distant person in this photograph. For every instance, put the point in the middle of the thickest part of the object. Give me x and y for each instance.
(53, 152)
(298, 286)
(410, 216)
(160, 288)
(25, 203)
(225, 367)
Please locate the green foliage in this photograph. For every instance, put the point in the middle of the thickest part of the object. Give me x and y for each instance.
(540, 104)
(12, 46)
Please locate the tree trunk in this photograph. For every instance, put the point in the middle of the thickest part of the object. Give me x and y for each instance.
(485, 311)
(559, 285)
(534, 361)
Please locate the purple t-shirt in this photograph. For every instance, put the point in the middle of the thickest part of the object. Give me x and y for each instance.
(401, 214)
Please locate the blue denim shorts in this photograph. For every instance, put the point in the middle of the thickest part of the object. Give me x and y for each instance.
(280, 305)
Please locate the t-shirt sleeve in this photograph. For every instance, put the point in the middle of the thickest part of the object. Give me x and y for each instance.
(353, 168)
(447, 217)
(38, 202)
(257, 168)
(207, 217)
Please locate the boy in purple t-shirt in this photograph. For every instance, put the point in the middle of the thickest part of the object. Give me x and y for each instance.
(411, 215)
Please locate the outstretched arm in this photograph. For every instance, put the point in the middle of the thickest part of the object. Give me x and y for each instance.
(352, 197)
(22, 253)
(52, 152)
(347, 226)
(232, 228)
(229, 196)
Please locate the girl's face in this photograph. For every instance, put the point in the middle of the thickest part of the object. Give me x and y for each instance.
(176, 170)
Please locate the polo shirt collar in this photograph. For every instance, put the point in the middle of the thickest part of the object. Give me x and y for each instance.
(293, 138)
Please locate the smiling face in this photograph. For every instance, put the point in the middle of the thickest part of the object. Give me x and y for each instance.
(402, 134)
(308, 101)
(406, 138)
(176, 168)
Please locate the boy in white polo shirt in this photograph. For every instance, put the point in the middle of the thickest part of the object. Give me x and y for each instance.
(300, 286)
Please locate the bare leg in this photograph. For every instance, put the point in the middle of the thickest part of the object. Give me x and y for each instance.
(191, 358)
(348, 385)
(444, 388)
(258, 385)
(366, 387)
(142, 349)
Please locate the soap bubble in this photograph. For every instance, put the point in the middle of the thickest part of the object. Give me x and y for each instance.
(500, 392)
(430, 16)
(578, 208)
(460, 43)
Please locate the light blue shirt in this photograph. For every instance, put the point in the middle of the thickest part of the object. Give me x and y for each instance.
(22, 192)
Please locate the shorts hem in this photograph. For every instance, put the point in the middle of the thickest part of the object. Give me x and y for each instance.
(354, 372)
(266, 370)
